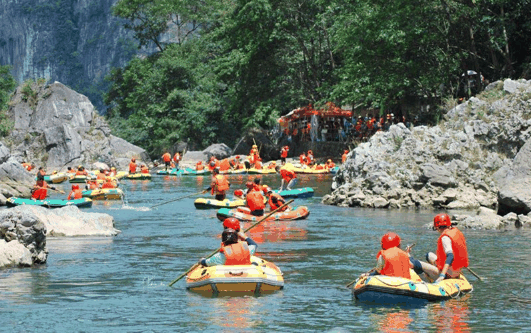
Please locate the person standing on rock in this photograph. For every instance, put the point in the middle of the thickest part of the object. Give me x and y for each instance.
(344, 157)
(132, 166)
(284, 154)
(451, 254)
(166, 158)
(75, 193)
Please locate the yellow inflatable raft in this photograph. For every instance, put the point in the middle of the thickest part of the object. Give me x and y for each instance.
(390, 289)
(260, 277)
(104, 194)
(204, 203)
(263, 171)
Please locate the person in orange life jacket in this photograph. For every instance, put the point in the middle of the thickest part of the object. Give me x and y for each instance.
(144, 169)
(101, 175)
(250, 187)
(284, 154)
(75, 193)
(91, 184)
(232, 251)
(275, 200)
(224, 165)
(177, 159)
(238, 194)
(392, 260)
(70, 170)
(166, 158)
(258, 163)
(256, 184)
(199, 166)
(329, 164)
(81, 171)
(108, 183)
(344, 157)
(310, 158)
(28, 166)
(255, 202)
(132, 166)
(272, 165)
(288, 177)
(302, 159)
(219, 185)
(451, 255)
(40, 189)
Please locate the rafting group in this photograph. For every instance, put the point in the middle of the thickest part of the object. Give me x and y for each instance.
(99, 185)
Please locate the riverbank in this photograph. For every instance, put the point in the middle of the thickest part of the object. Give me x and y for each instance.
(465, 162)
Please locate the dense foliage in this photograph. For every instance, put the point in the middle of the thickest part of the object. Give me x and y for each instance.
(7, 85)
(242, 63)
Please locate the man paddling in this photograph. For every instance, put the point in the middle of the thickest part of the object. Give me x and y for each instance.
(232, 252)
(75, 193)
(451, 255)
(40, 189)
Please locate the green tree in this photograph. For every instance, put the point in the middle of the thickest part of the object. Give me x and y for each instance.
(7, 85)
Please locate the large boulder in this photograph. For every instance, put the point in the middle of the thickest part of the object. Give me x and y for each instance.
(56, 127)
(219, 150)
(267, 149)
(22, 239)
(14, 179)
(70, 221)
(514, 195)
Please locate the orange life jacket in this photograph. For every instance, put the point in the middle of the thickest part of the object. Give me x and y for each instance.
(220, 184)
(199, 166)
(76, 194)
(108, 185)
(287, 175)
(81, 173)
(71, 171)
(144, 169)
(255, 200)
(396, 263)
(237, 254)
(166, 157)
(330, 165)
(258, 165)
(27, 166)
(100, 175)
(93, 185)
(302, 159)
(458, 248)
(177, 158)
(132, 167)
(344, 158)
(224, 165)
(280, 202)
(284, 153)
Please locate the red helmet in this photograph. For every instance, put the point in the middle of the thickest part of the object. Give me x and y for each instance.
(346, 152)
(442, 220)
(238, 193)
(390, 240)
(232, 223)
(75, 187)
(237, 157)
(249, 184)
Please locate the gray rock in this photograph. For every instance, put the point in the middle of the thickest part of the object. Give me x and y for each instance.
(510, 86)
(4, 153)
(123, 149)
(515, 196)
(436, 175)
(219, 150)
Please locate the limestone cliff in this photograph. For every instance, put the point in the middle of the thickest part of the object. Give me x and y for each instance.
(72, 41)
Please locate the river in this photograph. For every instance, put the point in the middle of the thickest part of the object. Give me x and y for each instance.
(120, 284)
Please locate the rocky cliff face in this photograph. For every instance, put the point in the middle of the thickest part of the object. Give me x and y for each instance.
(72, 41)
(55, 127)
(472, 159)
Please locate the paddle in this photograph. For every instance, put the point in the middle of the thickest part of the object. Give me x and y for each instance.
(473, 273)
(408, 248)
(186, 196)
(210, 255)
